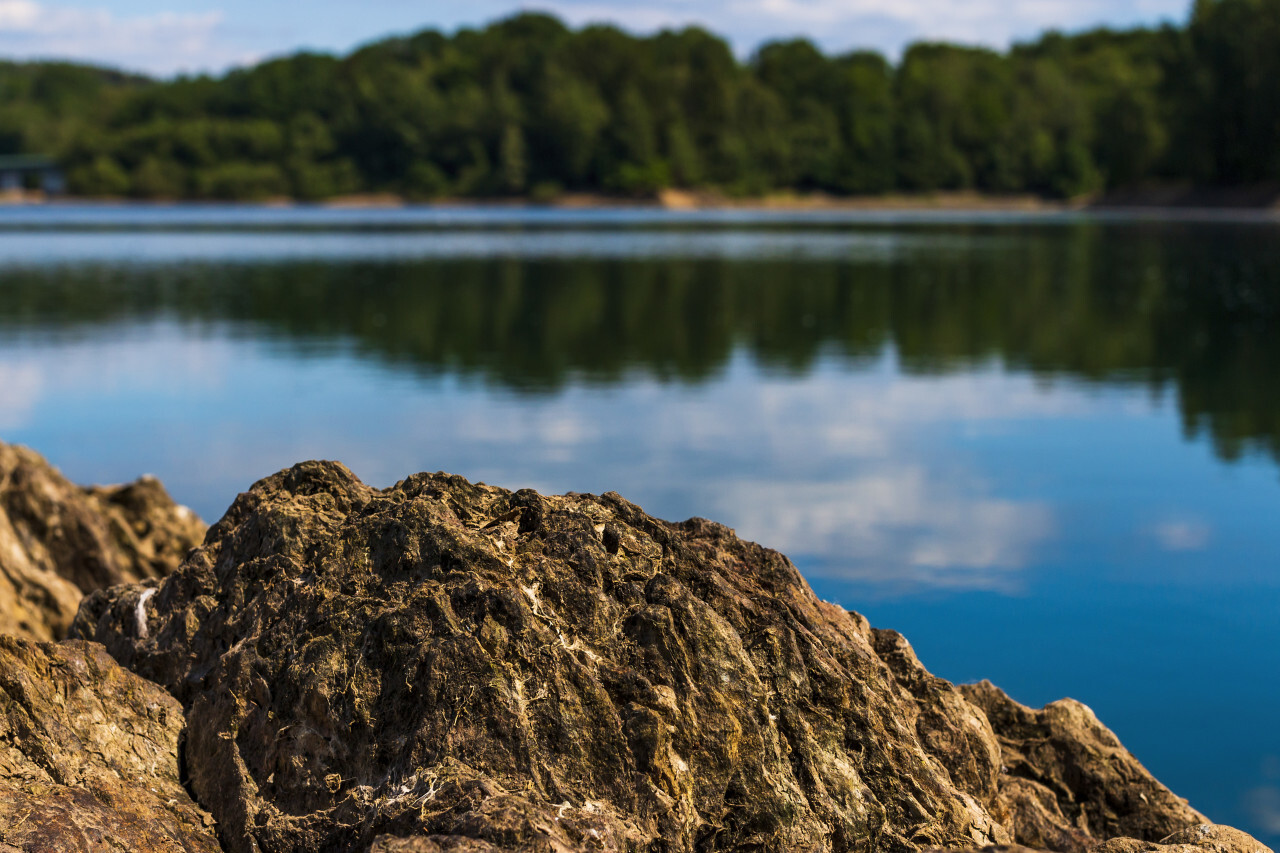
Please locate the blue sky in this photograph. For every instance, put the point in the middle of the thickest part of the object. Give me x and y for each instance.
(164, 36)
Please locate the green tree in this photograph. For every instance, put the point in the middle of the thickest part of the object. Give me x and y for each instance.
(159, 178)
(101, 177)
(1236, 44)
(528, 105)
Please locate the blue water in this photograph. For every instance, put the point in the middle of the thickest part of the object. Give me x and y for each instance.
(1043, 447)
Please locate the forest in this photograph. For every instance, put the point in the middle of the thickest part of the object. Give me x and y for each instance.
(529, 108)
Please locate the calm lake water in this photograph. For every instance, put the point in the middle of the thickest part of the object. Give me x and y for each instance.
(1044, 447)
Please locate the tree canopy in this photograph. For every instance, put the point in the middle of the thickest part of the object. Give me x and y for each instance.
(529, 107)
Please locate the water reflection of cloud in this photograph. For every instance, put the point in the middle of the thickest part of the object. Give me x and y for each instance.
(20, 388)
(1263, 805)
(158, 357)
(859, 475)
(842, 471)
(900, 527)
(1181, 534)
(871, 496)
(864, 414)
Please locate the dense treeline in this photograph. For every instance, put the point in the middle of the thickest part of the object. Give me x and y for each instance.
(45, 107)
(528, 107)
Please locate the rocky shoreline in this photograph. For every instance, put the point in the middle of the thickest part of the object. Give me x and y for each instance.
(447, 666)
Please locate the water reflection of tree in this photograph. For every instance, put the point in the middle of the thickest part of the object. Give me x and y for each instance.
(1193, 309)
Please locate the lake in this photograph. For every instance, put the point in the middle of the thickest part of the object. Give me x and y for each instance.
(1043, 446)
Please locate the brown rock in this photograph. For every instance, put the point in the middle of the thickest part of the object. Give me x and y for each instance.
(993, 848)
(1037, 817)
(1202, 838)
(1194, 839)
(1063, 753)
(434, 844)
(58, 541)
(89, 756)
(443, 666)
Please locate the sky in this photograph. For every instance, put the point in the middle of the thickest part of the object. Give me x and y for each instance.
(166, 37)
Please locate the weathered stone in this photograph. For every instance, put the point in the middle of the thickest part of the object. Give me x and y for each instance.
(1069, 781)
(58, 541)
(1194, 839)
(434, 844)
(992, 848)
(89, 756)
(1037, 816)
(443, 666)
(1202, 838)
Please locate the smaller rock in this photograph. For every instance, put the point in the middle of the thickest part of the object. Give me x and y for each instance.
(434, 844)
(1194, 839)
(150, 531)
(1068, 780)
(89, 756)
(59, 541)
(998, 848)
(1201, 838)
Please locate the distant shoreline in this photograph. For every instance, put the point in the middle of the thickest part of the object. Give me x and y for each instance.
(1258, 198)
(665, 200)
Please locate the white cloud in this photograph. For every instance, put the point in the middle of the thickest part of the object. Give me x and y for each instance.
(18, 14)
(884, 24)
(631, 17)
(163, 43)
(182, 39)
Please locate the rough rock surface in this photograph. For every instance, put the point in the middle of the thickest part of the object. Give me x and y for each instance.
(1202, 838)
(443, 666)
(1193, 839)
(59, 541)
(89, 756)
(994, 848)
(1068, 781)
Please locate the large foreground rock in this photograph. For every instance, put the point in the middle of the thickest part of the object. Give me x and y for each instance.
(89, 756)
(443, 666)
(59, 541)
